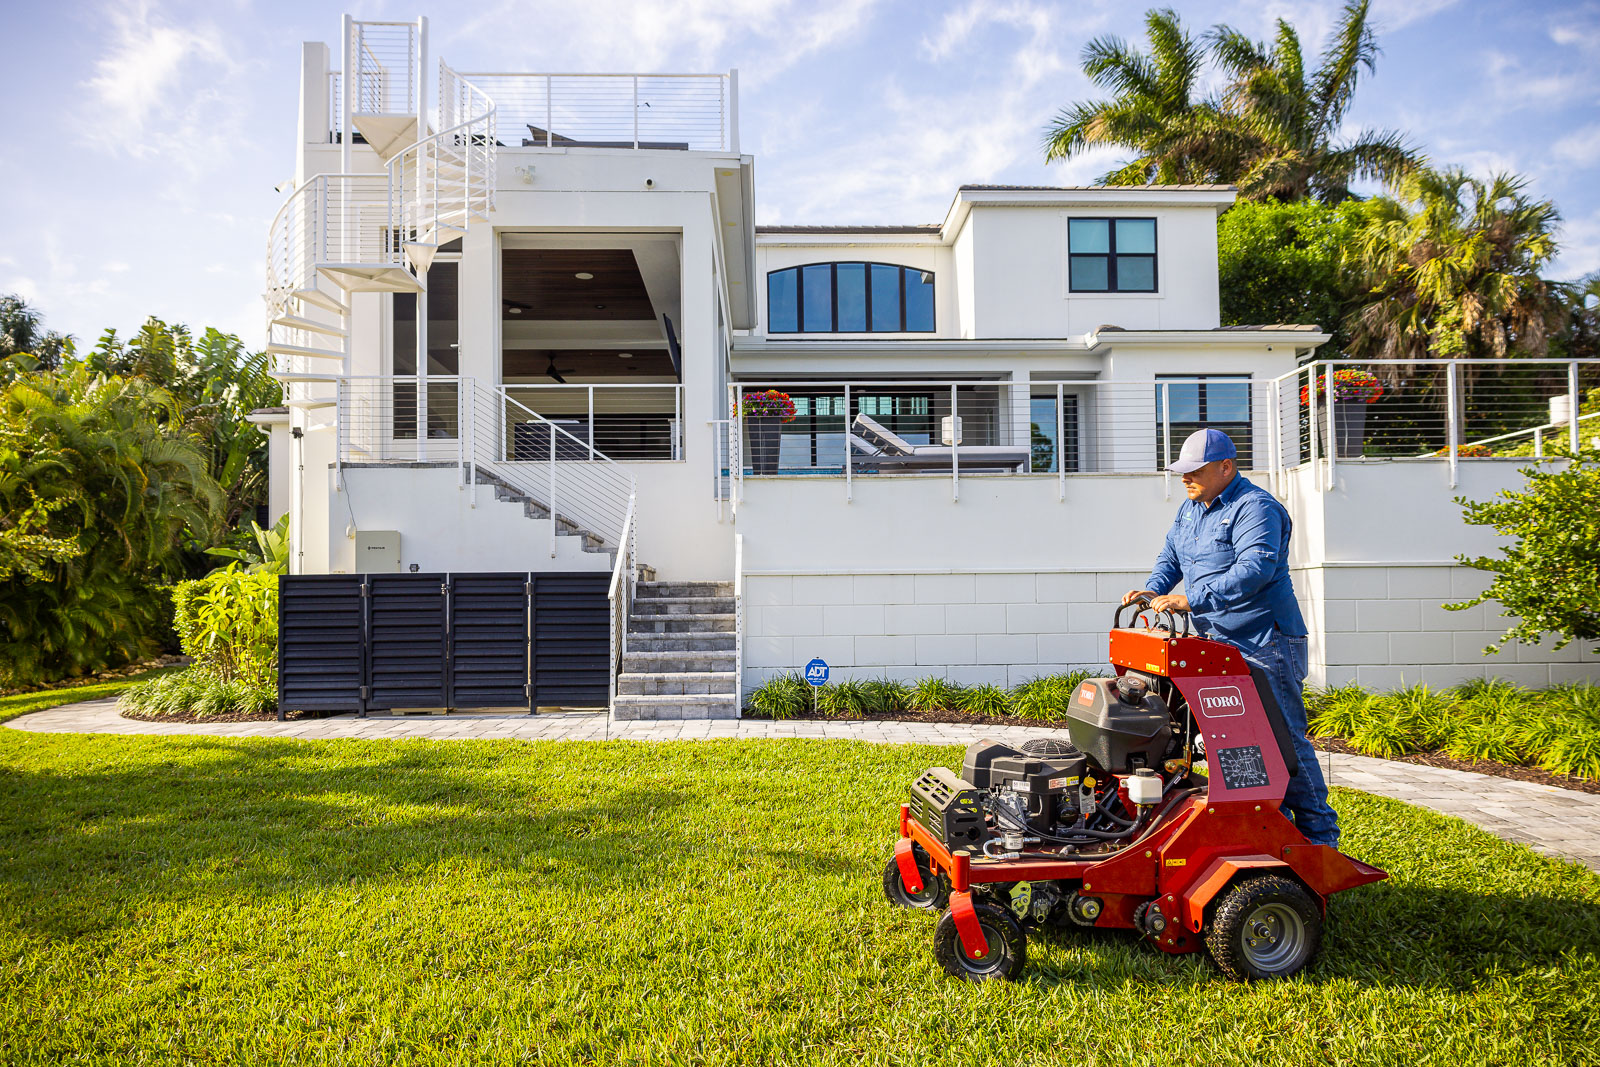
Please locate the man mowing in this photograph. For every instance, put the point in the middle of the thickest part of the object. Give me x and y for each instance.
(1230, 547)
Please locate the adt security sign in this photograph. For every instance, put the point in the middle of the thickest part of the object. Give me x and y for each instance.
(817, 672)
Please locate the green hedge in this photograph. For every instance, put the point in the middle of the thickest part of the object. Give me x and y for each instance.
(1042, 699)
(1557, 728)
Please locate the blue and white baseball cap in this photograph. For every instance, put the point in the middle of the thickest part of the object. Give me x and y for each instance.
(1202, 447)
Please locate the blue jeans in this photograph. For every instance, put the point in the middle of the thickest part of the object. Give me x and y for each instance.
(1283, 660)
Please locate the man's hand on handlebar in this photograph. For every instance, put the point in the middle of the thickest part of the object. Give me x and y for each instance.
(1134, 594)
(1170, 602)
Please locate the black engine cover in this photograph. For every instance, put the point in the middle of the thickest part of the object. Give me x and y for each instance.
(949, 807)
(1116, 735)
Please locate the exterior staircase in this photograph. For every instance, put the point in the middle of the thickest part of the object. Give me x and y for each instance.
(681, 653)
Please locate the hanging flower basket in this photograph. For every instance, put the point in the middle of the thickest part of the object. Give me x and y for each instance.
(764, 415)
(1355, 385)
(1468, 451)
(769, 403)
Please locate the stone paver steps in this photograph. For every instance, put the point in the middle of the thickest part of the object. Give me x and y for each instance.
(1557, 822)
(680, 658)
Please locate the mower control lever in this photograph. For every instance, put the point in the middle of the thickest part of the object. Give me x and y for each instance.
(1142, 604)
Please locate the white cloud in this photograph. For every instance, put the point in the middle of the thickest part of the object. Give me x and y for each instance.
(1580, 148)
(135, 79)
(1580, 247)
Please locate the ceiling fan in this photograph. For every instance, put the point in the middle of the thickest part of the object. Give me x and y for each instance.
(552, 372)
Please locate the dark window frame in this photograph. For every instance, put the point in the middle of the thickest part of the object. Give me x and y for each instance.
(1111, 254)
(833, 296)
(1243, 440)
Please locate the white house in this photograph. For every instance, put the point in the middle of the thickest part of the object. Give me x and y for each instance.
(561, 273)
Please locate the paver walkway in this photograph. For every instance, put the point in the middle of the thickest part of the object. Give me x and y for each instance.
(1557, 822)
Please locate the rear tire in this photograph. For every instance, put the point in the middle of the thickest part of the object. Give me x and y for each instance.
(1008, 945)
(1265, 927)
(935, 890)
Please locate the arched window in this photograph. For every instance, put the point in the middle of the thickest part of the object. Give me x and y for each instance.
(850, 298)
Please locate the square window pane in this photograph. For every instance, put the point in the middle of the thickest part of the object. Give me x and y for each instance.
(1136, 274)
(1089, 235)
(818, 282)
(782, 301)
(885, 298)
(1185, 397)
(1227, 401)
(919, 300)
(1136, 235)
(852, 297)
(1089, 273)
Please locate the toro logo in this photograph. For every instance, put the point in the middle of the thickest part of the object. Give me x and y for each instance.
(1221, 702)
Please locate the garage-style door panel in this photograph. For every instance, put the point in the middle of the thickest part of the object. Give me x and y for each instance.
(481, 640)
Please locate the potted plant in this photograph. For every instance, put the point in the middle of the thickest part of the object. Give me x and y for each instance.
(1353, 390)
(764, 414)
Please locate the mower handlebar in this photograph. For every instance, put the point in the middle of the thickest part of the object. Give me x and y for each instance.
(1141, 604)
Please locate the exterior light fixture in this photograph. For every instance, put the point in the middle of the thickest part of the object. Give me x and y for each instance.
(599, 305)
(624, 355)
(516, 311)
(583, 276)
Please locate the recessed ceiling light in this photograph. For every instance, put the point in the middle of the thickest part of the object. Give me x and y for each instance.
(599, 305)
(516, 311)
(583, 276)
(624, 355)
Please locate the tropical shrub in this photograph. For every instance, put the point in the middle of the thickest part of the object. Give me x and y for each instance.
(842, 699)
(936, 694)
(228, 623)
(987, 699)
(885, 696)
(98, 482)
(1045, 699)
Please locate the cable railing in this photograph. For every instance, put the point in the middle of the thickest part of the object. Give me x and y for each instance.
(1449, 410)
(385, 66)
(623, 421)
(489, 437)
(684, 112)
(622, 591)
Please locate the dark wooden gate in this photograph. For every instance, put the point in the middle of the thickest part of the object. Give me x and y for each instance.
(383, 641)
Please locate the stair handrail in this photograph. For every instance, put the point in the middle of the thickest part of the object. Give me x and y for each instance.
(466, 142)
(623, 588)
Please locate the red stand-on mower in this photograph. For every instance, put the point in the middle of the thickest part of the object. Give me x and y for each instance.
(1112, 830)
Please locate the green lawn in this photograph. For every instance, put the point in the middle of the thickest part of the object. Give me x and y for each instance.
(204, 900)
(22, 703)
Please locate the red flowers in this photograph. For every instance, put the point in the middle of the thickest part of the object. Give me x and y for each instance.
(771, 402)
(1347, 385)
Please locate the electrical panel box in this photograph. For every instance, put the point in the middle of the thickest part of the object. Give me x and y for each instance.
(377, 552)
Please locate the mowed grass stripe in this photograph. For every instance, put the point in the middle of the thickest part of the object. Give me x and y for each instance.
(261, 901)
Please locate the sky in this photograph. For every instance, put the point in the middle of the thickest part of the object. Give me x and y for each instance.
(146, 136)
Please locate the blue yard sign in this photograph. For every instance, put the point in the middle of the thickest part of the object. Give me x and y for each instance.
(817, 672)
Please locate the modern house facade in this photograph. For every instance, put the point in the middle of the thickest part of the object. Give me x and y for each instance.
(518, 317)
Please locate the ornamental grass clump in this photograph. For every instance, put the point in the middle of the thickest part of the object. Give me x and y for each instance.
(936, 694)
(842, 699)
(1045, 698)
(783, 696)
(988, 699)
(885, 696)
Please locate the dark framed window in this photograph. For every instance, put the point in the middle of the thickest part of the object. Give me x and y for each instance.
(1218, 401)
(850, 298)
(1111, 255)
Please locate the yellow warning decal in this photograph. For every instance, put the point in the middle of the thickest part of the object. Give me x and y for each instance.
(1176, 863)
(1153, 667)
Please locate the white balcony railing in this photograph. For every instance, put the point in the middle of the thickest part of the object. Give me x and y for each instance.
(1449, 411)
(686, 112)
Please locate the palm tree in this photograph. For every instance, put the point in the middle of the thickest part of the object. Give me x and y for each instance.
(1293, 118)
(1154, 110)
(1453, 267)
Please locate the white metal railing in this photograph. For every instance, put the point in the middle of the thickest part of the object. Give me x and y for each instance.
(738, 625)
(693, 112)
(385, 58)
(623, 421)
(1055, 428)
(335, 106)
(487, 436)
(623, 589)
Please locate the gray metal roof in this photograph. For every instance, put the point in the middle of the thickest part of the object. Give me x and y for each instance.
(1097, 188)
(916, 227)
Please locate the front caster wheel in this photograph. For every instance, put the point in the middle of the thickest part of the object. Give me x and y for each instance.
(935, 890)
(1008, 946)
(1265, 927)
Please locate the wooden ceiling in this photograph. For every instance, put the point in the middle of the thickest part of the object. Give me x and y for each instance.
(543, 283)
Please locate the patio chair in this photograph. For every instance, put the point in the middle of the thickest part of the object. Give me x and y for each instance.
(880, 449)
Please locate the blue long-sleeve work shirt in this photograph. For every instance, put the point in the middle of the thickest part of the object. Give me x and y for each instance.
(1233, 558)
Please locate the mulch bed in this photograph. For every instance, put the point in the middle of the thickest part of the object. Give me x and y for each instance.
(238, 716)
(961, 717)
(1519, 772)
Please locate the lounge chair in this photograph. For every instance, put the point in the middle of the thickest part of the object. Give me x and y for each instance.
(876, 448)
